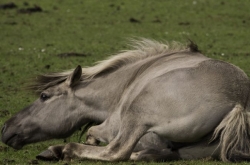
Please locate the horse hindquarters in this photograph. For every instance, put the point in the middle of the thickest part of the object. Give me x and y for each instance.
(234, 144)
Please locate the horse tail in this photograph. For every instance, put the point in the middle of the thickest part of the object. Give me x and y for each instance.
(234, 135)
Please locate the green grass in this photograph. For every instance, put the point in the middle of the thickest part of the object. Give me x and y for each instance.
(30, 43)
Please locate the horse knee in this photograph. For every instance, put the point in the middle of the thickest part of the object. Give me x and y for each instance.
(92, 136)
(70, 150)
(114, 155)
(91, 140)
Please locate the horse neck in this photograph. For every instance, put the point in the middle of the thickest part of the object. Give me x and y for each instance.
(102, 95)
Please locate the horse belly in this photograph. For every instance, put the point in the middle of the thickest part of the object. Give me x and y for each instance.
(185, 129)
(189, 124)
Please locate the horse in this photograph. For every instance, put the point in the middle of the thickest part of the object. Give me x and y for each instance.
(155, 102)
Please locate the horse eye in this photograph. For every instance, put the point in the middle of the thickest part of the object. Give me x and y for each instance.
(44, 96)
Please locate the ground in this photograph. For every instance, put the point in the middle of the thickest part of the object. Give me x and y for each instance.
(46, 36)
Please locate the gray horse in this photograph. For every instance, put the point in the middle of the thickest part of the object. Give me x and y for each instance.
(157, 102)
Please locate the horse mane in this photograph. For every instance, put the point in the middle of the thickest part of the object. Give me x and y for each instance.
(141, 49)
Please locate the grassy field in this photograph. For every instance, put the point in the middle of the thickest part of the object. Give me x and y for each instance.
(44, 36)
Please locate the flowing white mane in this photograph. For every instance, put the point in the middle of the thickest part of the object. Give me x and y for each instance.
(142, 49)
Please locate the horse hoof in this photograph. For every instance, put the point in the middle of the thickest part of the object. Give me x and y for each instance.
(47, 155)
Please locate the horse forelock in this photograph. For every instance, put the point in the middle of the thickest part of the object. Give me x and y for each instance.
(43, 82)
(141, 49)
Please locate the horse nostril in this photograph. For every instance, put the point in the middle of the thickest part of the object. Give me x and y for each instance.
(3, 129)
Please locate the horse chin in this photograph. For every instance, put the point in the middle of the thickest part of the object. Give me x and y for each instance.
(17, 146)
(15, 142)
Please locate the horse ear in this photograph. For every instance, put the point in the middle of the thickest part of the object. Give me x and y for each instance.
(74, 77)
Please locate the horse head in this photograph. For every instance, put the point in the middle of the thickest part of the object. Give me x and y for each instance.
(54, 115)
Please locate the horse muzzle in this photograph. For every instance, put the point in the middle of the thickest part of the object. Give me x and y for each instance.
(11, 138)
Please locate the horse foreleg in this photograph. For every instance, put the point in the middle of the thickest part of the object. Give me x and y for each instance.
(120, 148)
(51, 154)
(91, 140)
(56, 152)
(97, 134)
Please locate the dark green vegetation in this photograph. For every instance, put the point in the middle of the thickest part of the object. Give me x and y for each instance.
(46, 36)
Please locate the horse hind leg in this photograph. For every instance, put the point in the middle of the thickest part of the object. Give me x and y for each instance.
(199, 150)
(149, 155)
(152, 147)
(230, 140)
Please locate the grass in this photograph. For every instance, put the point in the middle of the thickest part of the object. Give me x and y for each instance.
(31, 42)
